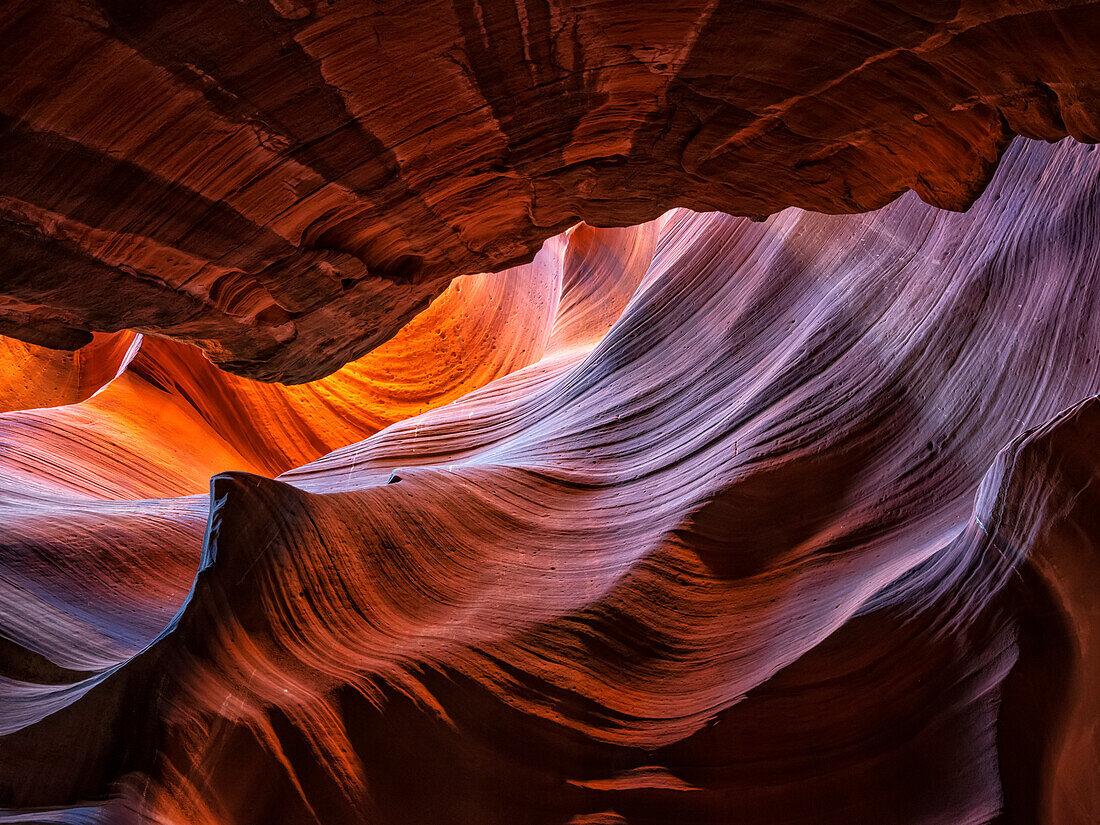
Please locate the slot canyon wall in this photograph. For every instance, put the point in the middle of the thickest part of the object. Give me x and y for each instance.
(551, 413)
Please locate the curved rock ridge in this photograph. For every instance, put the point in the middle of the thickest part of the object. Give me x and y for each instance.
(777, 522)
(286, 183)
(172, 419)
(76, 480)
(33, 377)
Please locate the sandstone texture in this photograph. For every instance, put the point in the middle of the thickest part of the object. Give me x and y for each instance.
(702, 520)
(286, 183)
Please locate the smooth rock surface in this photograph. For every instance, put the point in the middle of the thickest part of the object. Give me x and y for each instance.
(770, 522)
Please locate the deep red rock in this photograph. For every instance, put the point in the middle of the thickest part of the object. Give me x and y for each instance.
(285, 183)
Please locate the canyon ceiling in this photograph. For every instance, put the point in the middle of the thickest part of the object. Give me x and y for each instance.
(285, 184)
(549, 412)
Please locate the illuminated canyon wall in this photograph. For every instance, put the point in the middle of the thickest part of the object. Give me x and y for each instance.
(703, 519)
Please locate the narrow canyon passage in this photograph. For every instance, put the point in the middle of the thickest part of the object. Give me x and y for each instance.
(549, 413)
(787, 519)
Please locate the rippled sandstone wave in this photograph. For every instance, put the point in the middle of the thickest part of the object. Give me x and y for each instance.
(703, 520)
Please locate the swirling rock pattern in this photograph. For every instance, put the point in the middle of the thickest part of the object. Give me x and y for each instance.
(704, 520)
(286, 183)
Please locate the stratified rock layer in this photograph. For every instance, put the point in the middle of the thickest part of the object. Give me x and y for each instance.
(771, 522)
(285, 183)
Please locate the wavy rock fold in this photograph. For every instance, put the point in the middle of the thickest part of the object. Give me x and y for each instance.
(701, 520)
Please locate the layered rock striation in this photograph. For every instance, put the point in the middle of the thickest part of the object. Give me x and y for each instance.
(286, 183)
(702, 520)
